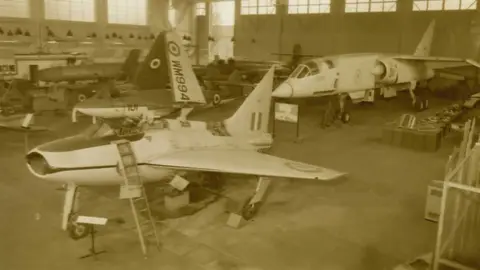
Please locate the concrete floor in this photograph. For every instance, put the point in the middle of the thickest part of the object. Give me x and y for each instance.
(372, 220)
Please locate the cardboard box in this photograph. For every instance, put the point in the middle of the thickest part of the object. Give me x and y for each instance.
(397, 137)
(173, 203)
(408, 138)
(434, 199)
(432, 139)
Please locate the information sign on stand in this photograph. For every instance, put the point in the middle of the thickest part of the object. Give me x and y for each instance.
(91, 222)
(287, 112)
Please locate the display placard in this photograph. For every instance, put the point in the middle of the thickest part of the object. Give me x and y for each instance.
(286, 112)
(92, 220)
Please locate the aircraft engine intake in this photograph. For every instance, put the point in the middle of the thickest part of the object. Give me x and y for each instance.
(38, 164)
(385, 71)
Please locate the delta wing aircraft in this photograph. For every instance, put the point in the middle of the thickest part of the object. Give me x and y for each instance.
(355, 76)
(164, 65)
(168, 147)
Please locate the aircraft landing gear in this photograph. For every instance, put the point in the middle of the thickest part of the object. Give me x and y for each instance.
(76, 231)
(411, 88)
(344, 108)
(253, 203)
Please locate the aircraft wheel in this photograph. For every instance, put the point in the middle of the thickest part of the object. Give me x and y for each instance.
(250, 210)
(81, 97)
(216, 100)
(77, 231)
(345, 117)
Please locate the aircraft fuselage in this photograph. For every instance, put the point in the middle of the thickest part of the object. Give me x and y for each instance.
(91, 158)
(351, 73)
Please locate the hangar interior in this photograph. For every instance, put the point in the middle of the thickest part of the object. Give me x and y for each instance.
(403, 185)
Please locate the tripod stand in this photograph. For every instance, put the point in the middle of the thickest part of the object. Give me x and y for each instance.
(92, 250)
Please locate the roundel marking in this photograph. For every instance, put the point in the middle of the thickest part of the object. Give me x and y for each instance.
(155, 63)
(173, 48)
(216, 99)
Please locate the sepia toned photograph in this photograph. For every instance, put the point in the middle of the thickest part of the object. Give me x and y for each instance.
(239, 135)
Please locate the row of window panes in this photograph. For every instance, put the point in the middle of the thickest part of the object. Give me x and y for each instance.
(315, 6)
(119, 11)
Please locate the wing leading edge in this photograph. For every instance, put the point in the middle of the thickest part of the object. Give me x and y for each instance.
(243, 162)
(440, 62)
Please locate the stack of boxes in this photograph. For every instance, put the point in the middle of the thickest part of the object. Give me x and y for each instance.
(424, 135)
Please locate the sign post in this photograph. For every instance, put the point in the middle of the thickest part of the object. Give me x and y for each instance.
(91, 222)
(287, 112)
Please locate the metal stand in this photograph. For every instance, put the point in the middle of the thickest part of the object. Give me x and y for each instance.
(93, 252)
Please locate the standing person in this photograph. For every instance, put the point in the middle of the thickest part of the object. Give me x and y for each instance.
(421, 93)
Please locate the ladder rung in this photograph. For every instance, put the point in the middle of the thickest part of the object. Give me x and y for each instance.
(146, 222)
(143, 210)
(148, 233)
(138, 199)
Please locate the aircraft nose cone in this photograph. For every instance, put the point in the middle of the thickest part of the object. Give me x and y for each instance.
(284, 90)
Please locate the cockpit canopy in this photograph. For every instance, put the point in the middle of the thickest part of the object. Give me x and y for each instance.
(310, 68)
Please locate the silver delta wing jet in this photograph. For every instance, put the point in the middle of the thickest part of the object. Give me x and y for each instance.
(355, 76)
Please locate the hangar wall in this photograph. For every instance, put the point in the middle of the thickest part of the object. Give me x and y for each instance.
(36, 26)
(257, 36)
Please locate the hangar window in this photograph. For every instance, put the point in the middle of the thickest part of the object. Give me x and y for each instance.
(201, 9)
(223, 13)
(16, 8)
(308, 6)
(424, 5)
(133, 12)
(254, 7)
(171, 14)
(352, 6)
(70, 10)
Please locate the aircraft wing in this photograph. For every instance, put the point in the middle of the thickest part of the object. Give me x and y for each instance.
(229, 83)
(440, 62)
(19, 128)
(243, 162)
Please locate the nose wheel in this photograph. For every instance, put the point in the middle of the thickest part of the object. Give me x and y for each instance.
(76, 230)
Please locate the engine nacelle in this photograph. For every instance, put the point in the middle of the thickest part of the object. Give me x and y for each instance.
(385, 71)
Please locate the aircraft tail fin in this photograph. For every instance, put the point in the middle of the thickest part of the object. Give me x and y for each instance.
(425, 45)
(254, 114)
(153, 72)
(184, 83)
(130, 65)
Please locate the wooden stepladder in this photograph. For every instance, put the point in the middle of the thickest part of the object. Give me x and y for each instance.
(135, 192)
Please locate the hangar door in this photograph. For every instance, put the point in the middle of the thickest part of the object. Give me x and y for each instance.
(222, 21)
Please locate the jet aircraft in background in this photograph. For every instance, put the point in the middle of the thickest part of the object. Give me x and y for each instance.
(356, 76)
(94, 71)
(169, 146)
(164, 67)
